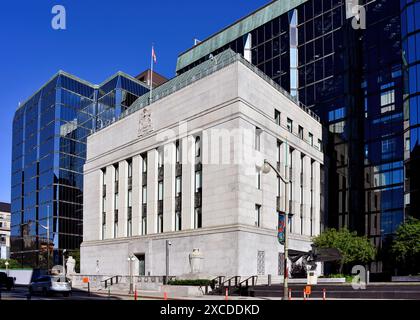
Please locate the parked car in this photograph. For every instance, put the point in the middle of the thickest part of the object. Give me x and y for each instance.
(6, 282)
(51, 284)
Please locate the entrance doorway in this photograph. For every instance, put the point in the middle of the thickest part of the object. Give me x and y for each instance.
(142, 264)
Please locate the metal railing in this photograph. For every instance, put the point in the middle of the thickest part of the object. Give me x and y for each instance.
(245, 283)
(111, 281)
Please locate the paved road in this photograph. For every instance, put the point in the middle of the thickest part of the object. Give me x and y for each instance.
(21, 293)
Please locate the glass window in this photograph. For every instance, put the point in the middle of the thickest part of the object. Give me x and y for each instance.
(160, 191)
(178, 221)
(160, 157)
(178, 191)
(197, 181)
(277, 116)
(178, 153)
(257, 215)
(117, 173)
(311, 139)
(144, 164)
(258, 139)
(290, 125)
(144, 195)
(197, 147)
(129, 199)
(258, 176)
(300, 132)
(130, 168)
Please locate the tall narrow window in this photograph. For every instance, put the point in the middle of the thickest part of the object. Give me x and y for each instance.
(258, 177)
(311, 139)
(290, 125)
(178, 186)
(198, 181)
(198, 223)
(144, 195)
(257, 215)
(277, 117)
(177, 153)
(300, 132)
(258, 132)
(160, 191)
(103, 203)
(197, 147)
(178, 221)
(160, 157)
(144, 164)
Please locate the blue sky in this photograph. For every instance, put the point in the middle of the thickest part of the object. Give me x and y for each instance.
(102, 37)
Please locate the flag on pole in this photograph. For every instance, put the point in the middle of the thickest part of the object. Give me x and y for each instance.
(154, 54)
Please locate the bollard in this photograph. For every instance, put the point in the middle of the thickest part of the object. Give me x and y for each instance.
(165, 296)
(135, 295)
(290, 294)
(89, 289)
(226, 294)
(269, 280)
(304, 294)
(109, 292)
(324, 294)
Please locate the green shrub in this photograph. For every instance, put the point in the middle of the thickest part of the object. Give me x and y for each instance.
(199, 282)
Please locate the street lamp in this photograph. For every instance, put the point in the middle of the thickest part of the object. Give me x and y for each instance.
(267, 166)
(64, 262)
(47, 227)
(168, 244)
(7, 267)
(130, 260)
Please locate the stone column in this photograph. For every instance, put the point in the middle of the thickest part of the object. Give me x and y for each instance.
(110, 206)
(306, 196)
(92, 228)
(283, 174)
(296, 170)
(152, 191)
(188, 180)
(136, 195)
(169, 188)
(123, 199)
(316, 197)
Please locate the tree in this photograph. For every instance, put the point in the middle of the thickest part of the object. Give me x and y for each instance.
(13, 264)
(406, 247)
(354, 249)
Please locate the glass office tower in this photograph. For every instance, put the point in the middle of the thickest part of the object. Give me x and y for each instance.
(49, 151)
(353, 79)
(410, 25)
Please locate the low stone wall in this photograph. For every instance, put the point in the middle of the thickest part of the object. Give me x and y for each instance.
(183, 291)
(406, 279)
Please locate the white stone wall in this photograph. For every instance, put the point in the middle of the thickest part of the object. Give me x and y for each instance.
(226, 106)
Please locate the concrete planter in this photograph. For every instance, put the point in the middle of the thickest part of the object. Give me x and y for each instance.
(183, 291)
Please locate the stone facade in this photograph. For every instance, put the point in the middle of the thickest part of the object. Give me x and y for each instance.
(230, 117)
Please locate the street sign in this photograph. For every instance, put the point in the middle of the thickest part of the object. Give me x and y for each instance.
(281, 228)
(85, 280)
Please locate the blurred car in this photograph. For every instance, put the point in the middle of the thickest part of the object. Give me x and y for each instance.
(6, 282)
(51, 284)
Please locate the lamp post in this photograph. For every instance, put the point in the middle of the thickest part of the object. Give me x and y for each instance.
(266, 169)
(64, 262)
(168, 244)
(47, 227)
(130, 260)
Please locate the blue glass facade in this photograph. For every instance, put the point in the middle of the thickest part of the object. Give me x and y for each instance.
(49, 151)
(364, 84)
(410, 25)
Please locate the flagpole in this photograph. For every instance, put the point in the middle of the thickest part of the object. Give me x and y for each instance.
(151, 76)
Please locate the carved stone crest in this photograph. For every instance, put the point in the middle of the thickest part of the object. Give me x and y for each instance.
(145, 122)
